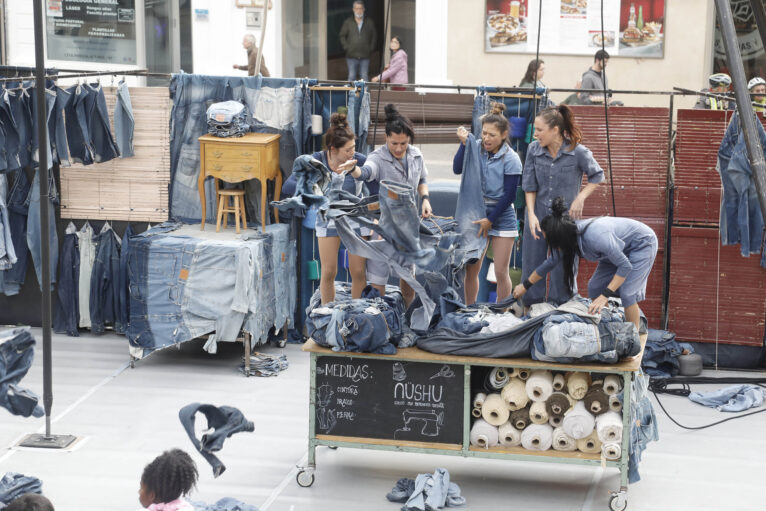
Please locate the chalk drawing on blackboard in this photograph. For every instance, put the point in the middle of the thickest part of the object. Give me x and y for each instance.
(324, 396)
(326, 418)
(429, 421)
(399, 373)
(445, 372)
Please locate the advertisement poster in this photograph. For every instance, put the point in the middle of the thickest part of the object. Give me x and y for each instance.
(573, 27)
(92, 30)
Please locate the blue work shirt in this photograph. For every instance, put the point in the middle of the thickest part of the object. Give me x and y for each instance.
(382, 166)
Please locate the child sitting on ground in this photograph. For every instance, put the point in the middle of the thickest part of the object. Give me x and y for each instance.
(165, 480)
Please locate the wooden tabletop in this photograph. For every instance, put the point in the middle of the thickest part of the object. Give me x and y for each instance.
(417, 355)
(247, 138)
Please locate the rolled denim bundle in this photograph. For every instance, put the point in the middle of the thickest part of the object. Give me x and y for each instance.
(537, 413)
(577, 384)
(515, 394)
(540, 385)
(559, 381)
(494, 410)
(615, 404)
(562, 441)
(483, 434)
(578, 422)
(520, 418)
(509, 436)
(612, 384)
(558, 404)
(497, 378)
(478, 399)
(609, 427)
(611, 451)
(523, 373)
(590, 444)
(596, 400)
(513, 372)
(537, 437)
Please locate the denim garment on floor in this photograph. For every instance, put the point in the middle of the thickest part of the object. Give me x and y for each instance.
(123, 121)
(225, 420)
(104, 283)
(33, 226)
(124, 282)
(13, 485)
(67, 315)
(735, 398)
(17, 350)
(17, 220)
(104, 146)
(224, 504)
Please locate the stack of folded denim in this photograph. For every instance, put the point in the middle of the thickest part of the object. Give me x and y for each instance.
(227, 119)
(661, 354)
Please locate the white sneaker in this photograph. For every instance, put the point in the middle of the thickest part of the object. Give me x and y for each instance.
(491, 277)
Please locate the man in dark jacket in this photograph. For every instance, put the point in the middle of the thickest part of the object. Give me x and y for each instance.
(357, 35)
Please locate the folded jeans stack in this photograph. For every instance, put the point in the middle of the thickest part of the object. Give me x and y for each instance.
(227, 119)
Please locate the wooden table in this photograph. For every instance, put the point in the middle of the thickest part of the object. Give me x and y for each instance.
(236, 159)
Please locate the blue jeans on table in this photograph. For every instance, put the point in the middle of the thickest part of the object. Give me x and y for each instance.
(67, 306)
(33, 227)
(78, 136)
(21, 108)
(57, 129)
(124, 282)
(104, 146)
(11, 132)
(225, 420)
(17, 350)
(470, 203)
(104, 284)
(358, 69)
(123, 121)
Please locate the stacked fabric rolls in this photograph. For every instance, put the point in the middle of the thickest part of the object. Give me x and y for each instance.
(540, 410)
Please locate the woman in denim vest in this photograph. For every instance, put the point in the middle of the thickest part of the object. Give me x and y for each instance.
(624, 248)
(500, 175)
(340, 143)
(555, 165)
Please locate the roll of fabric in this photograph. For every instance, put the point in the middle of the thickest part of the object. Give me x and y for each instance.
(483, 434)
(556, 421)
(559, 382)
(615, 404)
(538, 413)
(524, 373)
(578, 422)
(494, 410)
(537, 437)
(562, 441)
(590, 444)
(513, 372)
(515, 394)
(478, 399)
(509, 435)
(596, 400)
(611, 451)
(577, 384)
(476, 412)
(612, 384)
(497, 378)
(540, 385)
(609, 427)
(520, 418)
(557, 404)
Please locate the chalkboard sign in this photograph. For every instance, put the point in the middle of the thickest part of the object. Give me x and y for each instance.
(389, 399)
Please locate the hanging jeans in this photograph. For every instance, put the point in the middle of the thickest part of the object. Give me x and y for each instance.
(480, 108)
(104, 284)
(102, 142)
(225, 420)
(17, 219)
(261, 309)
(7, 249)
(68, 304)
(123, 121)
(10, 130)
(21, 105)
(33, 227)
(87, 246)
(78, 136)
(57, 129)
(124, 281)
(470, 203)
(50, 103)
(17, 350)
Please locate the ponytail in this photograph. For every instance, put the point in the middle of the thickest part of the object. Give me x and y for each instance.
(562, 117)
(398, 123)
(561, 234)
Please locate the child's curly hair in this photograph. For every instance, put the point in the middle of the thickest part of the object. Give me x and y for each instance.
(170, 476)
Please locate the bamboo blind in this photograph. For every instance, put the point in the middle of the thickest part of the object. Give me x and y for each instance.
(133, 189)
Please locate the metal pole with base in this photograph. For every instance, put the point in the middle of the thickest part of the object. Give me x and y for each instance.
(46, 440)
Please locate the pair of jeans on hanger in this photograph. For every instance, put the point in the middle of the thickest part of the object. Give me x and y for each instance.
(470, 203)
(57, 130)
(7, 249)
(104, 283)
(17, 350)
(21, 108)
(123, 121)
(18, 209)
(9, 152)
(124, 282)
(67, 306)
(33, 226)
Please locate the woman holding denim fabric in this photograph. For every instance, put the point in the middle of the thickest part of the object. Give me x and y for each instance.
(555, 165)
(624, 248)
(340, 148)
(501, 173)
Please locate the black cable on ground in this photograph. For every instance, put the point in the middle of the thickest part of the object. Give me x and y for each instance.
(380, 74)
(606, 115)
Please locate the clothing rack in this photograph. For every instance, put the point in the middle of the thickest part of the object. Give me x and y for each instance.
(331, 88)
(132, 72)
(507, 95)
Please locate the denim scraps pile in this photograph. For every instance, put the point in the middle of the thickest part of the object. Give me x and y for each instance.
(427, 492)
(371, 324)
(262, 364)
(227, 119)
(17, 350)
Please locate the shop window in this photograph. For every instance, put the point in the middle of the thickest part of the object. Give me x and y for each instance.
(750, 44)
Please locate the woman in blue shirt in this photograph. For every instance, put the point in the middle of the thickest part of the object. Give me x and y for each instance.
(555, 165)
(501, 173)
(624, 248)
(340, 148)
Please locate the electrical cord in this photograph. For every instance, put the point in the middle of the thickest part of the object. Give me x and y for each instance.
(606, 115)
(380, 75)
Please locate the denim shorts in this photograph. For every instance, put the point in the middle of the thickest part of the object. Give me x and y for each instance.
(505, 226)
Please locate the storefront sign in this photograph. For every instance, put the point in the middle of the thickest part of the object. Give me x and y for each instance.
(92, 31)
(573, 27)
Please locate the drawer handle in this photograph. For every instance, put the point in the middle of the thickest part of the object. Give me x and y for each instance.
(247, 168)
(247, 153)
(217, 154)
(217, 166)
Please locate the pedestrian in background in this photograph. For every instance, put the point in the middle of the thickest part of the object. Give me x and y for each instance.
(248, 43)
(396, 70)
(357, 36)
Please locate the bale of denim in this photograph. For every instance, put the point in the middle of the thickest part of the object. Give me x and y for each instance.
(13, 485)
(360, 325)
(661, 354)
(16, 355)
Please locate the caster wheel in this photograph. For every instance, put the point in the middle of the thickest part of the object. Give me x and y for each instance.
(282, 343)
(305, 478)
(333, 447)
(618, 503)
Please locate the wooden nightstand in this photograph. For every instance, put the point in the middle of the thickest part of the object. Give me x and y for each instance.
(236, 159)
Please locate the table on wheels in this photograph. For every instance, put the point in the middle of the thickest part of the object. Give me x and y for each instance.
(416, 401)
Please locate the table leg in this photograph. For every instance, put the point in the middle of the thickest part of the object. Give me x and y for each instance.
(264, 194)
(277, 190)
(201, 186)
(246, 339)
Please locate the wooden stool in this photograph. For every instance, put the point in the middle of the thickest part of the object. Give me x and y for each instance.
(225, 208)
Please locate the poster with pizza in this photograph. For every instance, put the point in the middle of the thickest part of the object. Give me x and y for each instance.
(631, 28)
